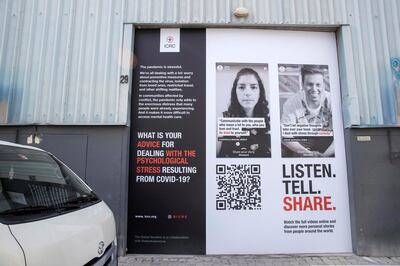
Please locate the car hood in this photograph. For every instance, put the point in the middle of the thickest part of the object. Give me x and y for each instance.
(73, 238)
(10, 251)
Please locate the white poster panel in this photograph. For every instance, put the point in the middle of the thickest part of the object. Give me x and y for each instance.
(269, 190)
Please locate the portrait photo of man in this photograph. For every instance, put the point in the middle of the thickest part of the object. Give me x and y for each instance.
(306, 114)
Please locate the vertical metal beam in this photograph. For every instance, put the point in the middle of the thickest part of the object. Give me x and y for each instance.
(125, 91)
(125, 80)
(348, 83)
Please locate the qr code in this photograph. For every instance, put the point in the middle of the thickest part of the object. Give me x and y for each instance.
(239, 187)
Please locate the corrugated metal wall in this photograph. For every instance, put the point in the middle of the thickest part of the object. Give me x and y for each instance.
(221, 11)
(59, 59)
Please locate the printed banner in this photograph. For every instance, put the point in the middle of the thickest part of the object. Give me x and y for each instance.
(167, 184)
(237, 144)
(276, 172)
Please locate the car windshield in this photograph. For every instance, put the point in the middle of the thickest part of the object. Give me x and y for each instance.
(35, 183)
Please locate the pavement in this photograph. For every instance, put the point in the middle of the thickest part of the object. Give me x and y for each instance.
(247, 260)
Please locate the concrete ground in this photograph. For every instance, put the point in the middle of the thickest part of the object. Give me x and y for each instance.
(247, 260)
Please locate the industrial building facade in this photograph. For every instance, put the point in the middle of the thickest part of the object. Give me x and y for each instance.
(136, 97)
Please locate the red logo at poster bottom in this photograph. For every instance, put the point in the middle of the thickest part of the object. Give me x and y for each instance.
(178, 216)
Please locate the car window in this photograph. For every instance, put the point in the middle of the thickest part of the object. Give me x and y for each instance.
(35, 183)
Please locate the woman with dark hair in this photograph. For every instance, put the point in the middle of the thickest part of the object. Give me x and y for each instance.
(248, 99)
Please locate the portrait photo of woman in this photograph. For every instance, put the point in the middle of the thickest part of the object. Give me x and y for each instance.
(247, 101)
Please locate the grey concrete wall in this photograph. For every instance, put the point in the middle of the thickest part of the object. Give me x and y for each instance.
(373, 160)
(98, 154)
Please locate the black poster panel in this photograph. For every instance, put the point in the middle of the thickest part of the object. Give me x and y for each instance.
(167, 175)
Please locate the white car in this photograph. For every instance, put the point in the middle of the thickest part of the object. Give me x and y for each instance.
(48, 215)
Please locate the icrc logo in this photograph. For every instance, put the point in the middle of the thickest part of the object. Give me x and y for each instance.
(170, 40)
